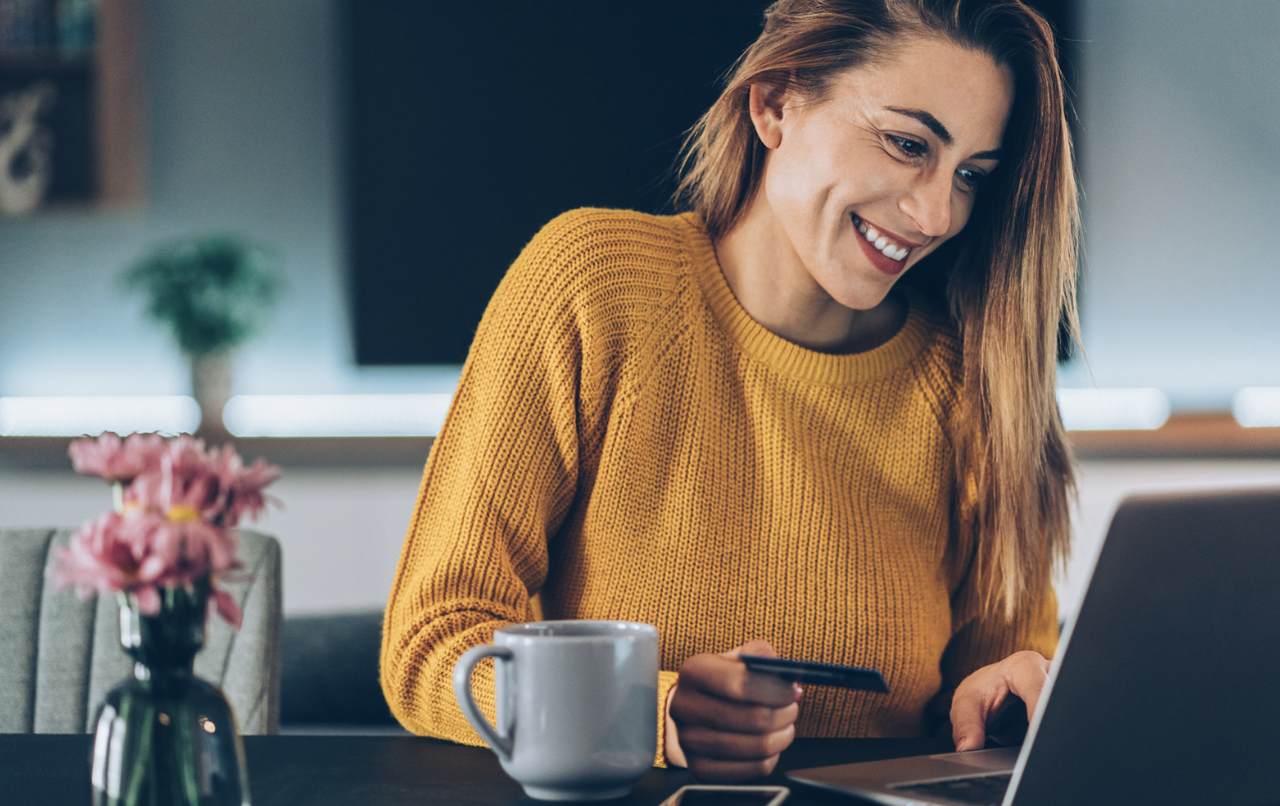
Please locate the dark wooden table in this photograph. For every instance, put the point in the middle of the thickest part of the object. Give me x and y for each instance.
(53, 770)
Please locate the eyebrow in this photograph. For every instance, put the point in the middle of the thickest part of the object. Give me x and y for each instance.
(937, 128)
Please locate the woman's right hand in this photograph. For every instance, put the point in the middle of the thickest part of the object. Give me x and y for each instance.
(728, 724)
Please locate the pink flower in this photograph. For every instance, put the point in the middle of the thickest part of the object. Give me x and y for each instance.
(97, 558)
(178, 552)
(226, 606)
(185, 480)
(181, 503)
(180, 478)
(112, 458)
(243, 485)
(106, 555)
(140, 552)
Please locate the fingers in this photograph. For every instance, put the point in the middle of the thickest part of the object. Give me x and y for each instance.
(729, 679)
(696, 707)
(968, 719)
(722, 745)
(717, 770)
(732, 724)
(981, 693)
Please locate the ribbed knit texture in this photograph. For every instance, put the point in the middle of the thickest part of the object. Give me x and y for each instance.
(627, 442)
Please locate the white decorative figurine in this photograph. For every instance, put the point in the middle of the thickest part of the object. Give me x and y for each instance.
(26, 164)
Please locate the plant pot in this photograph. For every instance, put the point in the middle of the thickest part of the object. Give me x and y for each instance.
(211, 387)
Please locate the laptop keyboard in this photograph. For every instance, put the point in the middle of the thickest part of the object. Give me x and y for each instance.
(985, 789)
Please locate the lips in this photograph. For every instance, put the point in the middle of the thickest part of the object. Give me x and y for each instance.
(878, 259)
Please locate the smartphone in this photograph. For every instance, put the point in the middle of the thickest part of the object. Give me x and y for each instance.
(858, 678)
(708, 795)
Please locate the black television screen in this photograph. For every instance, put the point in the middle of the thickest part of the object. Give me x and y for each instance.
(470, 125)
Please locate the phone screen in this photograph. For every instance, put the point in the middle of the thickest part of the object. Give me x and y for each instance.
(696, 797)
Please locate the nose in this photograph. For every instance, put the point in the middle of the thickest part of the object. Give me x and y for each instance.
(928, 204)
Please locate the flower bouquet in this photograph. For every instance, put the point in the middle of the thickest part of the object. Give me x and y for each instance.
(164, 735)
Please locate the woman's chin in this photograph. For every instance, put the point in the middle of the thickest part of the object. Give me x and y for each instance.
(864, 296)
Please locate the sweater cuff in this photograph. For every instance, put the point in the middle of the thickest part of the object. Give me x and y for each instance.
(666, 680)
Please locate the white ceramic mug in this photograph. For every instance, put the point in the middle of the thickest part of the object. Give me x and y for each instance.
(577, 705)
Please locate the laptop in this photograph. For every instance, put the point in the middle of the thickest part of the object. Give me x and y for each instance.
(1166, 684)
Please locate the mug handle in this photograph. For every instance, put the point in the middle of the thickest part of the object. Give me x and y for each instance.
(500, 743)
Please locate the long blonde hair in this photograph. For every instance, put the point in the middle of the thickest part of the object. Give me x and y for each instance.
(1007, 279)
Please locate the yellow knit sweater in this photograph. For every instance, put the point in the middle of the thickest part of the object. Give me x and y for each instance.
(627, 442)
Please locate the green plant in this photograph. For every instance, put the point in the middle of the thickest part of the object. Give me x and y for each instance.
(211, 291)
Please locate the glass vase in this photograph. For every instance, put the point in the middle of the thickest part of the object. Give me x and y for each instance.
(164, 736)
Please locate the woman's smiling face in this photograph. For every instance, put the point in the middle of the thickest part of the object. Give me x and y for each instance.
(902, 145)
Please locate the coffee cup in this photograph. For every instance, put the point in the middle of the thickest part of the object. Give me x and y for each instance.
(576, 705)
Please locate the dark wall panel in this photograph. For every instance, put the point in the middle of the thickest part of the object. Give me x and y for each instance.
(469, 125)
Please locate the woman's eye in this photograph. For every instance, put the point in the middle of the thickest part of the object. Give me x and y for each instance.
(911, 148)
(974, 179)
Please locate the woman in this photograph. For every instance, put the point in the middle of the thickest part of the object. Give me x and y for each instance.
(756, 429)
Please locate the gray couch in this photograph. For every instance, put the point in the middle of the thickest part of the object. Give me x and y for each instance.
(59, 655)
(331, 675)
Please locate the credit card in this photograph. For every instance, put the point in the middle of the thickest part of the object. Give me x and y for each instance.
(823, 674)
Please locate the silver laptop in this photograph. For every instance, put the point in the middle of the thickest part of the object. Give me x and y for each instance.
(1166, 685)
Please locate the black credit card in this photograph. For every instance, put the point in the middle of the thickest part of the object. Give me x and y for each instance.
(822, 674)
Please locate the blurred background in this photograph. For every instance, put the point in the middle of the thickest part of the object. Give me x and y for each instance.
(369, 171)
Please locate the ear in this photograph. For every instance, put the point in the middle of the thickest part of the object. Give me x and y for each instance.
(765, 102)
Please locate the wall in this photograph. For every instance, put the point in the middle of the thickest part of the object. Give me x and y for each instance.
(1181, 150)
(243, 134)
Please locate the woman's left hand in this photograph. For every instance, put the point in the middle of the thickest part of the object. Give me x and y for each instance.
(980, 695)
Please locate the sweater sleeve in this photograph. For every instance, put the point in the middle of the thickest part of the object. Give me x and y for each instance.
(498, 482)
(667, 680)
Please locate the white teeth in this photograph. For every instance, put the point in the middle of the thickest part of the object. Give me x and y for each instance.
(880, 242)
